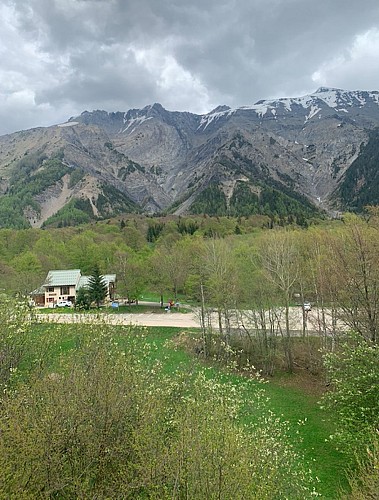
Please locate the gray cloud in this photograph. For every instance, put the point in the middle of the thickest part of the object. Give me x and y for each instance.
(59, 57)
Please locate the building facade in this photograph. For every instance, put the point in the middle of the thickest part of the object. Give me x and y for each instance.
(63, 285)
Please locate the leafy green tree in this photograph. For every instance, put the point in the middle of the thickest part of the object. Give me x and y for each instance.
(26, 262)
(221, 284)
(57, 256)
(97, 287)
(353, 372)
(131, 274)
(133, 237)
(83, 299)
(84, 251)
(28, 272)
(176, 261)
(159, 278)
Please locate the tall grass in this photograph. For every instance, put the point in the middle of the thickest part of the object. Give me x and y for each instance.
(308, 426)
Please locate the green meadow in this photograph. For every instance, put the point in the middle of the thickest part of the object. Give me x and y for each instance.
(307, 426)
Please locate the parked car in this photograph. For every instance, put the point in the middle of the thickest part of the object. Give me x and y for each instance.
(64, 303)
(307, 306)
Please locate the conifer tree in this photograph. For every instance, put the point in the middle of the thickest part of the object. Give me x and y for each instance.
(96, 286)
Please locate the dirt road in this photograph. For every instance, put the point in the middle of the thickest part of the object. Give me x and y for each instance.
(188, 320)
(192, 320)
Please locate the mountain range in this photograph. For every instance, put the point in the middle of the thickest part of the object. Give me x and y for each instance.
(288, 157)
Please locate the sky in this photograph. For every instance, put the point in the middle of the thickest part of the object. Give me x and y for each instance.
(61, 57)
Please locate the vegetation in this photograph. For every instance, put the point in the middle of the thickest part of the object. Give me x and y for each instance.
(353, 373)
(76, 176)
(211, 201)
(33, 175)
(98, 416)
(83, 299)
(27, 165)
(365, 482)
(76, 212)
(11, 212)
(48, 173)
(14, 338)
(154, 230)
(129, 169)
(244, 202)
(111, 201)
(97, 288)
(249, 288)
(360, 186)
(282, 205)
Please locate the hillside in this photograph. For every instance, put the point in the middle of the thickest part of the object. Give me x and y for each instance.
(284, 158)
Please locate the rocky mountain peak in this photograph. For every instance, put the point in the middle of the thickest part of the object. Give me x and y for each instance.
(322, 90)
(153, 159)
(220, 109)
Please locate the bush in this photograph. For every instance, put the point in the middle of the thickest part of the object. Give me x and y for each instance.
(365, 481)
(14, 337)
(106, 423)
(83, 299)
(353, 371)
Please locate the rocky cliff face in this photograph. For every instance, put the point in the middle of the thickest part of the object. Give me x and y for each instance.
(158, 158)
(312, 139)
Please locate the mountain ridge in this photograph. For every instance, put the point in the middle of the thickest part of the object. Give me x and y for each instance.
(157, 159)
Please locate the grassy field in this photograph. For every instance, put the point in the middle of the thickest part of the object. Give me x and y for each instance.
(309, 426)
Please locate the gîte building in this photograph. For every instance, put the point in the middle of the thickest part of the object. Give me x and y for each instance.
(63, 285)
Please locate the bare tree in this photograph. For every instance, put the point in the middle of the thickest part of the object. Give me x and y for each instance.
(355, 255)
(279, 257)
(221, 282)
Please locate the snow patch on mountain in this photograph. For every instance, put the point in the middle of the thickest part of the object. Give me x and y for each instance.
(207, 119)
(133, 122)
(67, 124)
(338, 99)
(313, 112)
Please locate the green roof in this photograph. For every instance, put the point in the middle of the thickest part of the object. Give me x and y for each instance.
(107, 278)
(83, 282)
(62, 277)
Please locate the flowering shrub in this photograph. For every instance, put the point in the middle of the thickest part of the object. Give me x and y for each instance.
(15, 322)
(108, 423)
(353, 371)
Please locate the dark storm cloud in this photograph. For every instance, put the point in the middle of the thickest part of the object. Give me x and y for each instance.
(60, 57)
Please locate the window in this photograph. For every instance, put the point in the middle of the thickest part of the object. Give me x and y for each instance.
(65, 290)
(50, 289)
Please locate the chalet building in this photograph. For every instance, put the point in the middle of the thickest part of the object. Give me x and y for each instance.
(64, 285)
